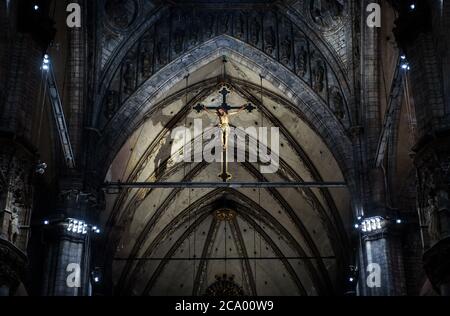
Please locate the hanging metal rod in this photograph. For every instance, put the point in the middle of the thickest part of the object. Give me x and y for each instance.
(202, 185)
(223, 258)
(393, 106)
(58, 113)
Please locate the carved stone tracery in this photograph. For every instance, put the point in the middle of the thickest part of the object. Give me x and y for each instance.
(327, 13)
(433, 172)
(267, 30)
(15, 193)
(224, 286)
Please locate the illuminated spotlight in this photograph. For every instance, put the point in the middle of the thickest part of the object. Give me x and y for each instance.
(46, 62)
(398, 221)
(96, 279)
(412, 6)
(77, 226)
(405, 66)
(46, 222)
(97, 231)
(359, 218)
(402, 57)
(356, 226)
(372, 224)
(84, 229)
(351, 279)
(36, 7)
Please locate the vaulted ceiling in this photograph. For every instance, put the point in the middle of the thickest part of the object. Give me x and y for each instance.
(157, 233)
(270, 241)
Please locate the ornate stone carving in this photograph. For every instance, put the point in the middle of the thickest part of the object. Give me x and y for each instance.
(432, 218)
(178, 41)
(147, 60)
(224, 286)
(161, 56)
(194, 32)
(337, 103)
(129, 77)
(274, 33)
(433, 171)
(16, 194)
(239, 26)
(269, 40)
(111, 103)
(121, 13)
(327, 13)
(209, 25)
(13, 230)
(225, 22)
(302, 60)
(225, 215)
(286, 50)
(318, 73)
(255, 31)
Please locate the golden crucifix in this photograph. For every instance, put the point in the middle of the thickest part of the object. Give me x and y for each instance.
(223, 112)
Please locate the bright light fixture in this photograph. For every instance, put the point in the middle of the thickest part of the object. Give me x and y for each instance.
(371, 224)
(77, 226)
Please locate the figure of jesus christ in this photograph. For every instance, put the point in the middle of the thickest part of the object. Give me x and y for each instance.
(224, 122)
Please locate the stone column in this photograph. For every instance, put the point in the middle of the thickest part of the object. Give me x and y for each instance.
(380, 258)
(68, 264)
(381, 261)
(76, 83)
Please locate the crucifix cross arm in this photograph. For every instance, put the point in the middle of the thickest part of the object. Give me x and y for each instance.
(248, 107)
